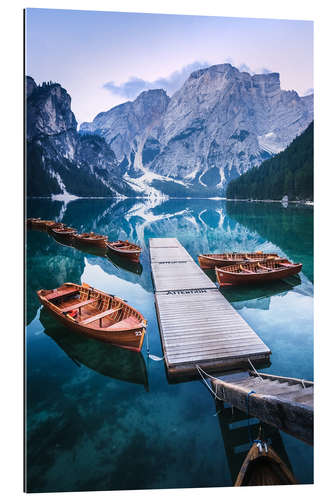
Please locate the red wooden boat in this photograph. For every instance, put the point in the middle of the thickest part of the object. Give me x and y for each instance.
(90, 239)
(55, 225)
(125, 249)
(256, 272)
(211, 260)
(31, 221)
(41, 224)
(96, 314)
(62, 231)
(263, 467)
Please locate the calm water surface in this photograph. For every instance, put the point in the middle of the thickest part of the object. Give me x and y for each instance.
(101, 418)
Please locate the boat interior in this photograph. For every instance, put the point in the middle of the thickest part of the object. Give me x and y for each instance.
(258, 267)
(93, 309)
(240, 256)
(124, 245)
(264, 471)
(91, 236)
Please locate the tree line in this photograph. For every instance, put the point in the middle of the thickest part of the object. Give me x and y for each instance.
(288, 173)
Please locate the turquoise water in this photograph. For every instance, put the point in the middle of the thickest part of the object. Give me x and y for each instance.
(101, 418)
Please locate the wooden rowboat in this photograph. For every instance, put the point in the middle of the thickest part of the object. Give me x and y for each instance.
(62, 231)
(211, 260)
(256, 272)
(55, 225)
(263, 467)
(90, 239)
(125, 249)
(40, 224)
(96, 314)
(31, 221)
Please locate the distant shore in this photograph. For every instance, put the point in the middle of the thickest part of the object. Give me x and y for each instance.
(299, 202)
(216, 198)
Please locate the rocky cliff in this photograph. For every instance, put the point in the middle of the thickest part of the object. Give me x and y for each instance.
(60, 161)
(218, 125)
(126, 127)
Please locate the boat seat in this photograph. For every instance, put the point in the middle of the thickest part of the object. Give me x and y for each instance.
(246, 270)
(264, 267)
(78, 305)
(126, 324)
(61, 293)
(99, 316)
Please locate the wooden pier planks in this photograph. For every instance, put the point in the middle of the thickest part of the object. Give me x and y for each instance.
(197, 324)
(285, 403)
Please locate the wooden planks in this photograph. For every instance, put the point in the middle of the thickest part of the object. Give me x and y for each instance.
(281, 402)
(169, 255)
(179, 275)
(164, 242)
(197, 324)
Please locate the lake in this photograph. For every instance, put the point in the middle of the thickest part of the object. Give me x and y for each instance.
(103, 418)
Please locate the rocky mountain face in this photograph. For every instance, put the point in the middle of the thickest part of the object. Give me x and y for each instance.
(126, 127)
(60, 161)
(218, 125)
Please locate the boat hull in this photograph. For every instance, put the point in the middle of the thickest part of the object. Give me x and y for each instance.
(65, 235)
(225, 277)
(91, 242)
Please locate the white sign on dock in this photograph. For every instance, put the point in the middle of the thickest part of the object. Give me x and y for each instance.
(197, 323)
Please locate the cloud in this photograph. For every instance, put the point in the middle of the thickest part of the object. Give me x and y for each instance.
(134, 85)
(171, 83)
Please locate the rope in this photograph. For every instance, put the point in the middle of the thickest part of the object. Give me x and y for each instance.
(199, 369)
(261, 444)
(255, 371)
(248, 415)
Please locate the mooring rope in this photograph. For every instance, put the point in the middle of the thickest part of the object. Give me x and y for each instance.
(255, 371)
(199, 369)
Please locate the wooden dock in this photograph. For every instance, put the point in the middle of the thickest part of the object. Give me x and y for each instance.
(285, 403)
(197, 324)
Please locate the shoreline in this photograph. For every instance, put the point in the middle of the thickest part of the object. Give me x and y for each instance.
(215, 198)
(300, 202)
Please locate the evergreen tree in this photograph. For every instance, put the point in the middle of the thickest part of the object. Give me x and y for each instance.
(288, 173)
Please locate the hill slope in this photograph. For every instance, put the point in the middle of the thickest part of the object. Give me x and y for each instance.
(288, 173)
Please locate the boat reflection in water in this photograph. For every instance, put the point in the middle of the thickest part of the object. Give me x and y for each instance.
(86, 248)
(238, 295)
(265, 290)
(237, 433)
(123, 263)
(106, 359)
(66, 242)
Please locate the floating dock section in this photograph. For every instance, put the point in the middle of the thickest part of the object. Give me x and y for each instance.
(197, 323)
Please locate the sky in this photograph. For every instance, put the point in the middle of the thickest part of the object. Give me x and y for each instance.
(105, 58)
